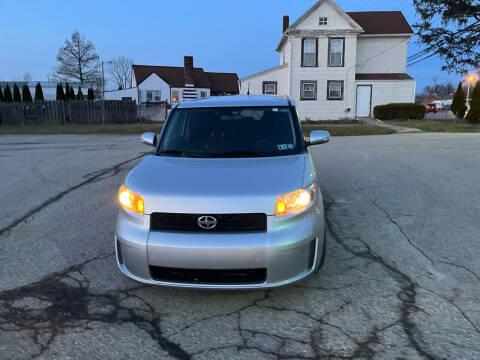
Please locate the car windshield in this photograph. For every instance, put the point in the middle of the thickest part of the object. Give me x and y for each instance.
(230, 132)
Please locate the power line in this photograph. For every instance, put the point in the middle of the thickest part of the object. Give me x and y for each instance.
(425, 58)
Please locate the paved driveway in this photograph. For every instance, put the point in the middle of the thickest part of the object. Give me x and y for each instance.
(442, 115)
(401, 279)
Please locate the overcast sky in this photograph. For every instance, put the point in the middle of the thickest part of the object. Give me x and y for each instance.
(230, 36)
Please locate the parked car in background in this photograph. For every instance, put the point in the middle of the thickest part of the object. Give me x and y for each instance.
(432, 108)
(229, 199)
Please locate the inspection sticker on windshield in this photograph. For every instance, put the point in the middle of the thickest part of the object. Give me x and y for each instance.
(285, 147)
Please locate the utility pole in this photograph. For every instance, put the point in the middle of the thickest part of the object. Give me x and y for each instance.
(103, 82)
(103, 91)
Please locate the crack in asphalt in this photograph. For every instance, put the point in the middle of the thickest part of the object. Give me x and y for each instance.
(462, 267)
(69, 304)
(393, 221)
(407, 294)
(61, 194)
(465, 316)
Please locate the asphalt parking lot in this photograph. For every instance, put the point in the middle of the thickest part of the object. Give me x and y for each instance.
(401, 278)
(442, 115)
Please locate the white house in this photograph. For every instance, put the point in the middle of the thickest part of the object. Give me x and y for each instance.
(339, 65)
(151, 84)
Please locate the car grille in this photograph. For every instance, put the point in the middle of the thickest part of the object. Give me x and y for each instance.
(225, 222)
(201, 276)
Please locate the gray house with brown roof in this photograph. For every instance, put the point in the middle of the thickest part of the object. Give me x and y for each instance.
(172, 84)
(339, 65)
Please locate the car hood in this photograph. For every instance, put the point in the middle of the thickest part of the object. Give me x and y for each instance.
(215, 186)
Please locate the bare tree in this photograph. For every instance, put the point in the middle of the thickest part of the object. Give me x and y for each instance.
(26, 77)
(77, 59)
(120, 69)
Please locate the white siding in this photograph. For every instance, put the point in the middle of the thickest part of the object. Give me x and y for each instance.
(335, 19)
(153, 82)
(285, 54)
(323, 109)
(394, 91)
(134, 81)
(382, 54)
(255, 82)
(119, 94)
(180, 93)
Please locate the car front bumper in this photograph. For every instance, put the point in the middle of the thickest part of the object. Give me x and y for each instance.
(289, 251)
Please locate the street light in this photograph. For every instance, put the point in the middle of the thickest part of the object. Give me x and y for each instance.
(470, 80)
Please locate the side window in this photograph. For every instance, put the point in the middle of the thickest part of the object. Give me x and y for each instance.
(335, 90)
(269, 88)
(336, 49)
(308, 90)
(309, 52)
(153, 96)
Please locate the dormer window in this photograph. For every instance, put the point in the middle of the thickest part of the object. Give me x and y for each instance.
(323, 21)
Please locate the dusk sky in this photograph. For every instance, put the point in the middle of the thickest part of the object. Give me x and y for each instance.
(229, 36)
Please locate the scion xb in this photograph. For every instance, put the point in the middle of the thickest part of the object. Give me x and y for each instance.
(229, 198)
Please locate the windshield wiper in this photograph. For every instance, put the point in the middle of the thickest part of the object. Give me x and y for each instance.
(240, 154)
(183, 154)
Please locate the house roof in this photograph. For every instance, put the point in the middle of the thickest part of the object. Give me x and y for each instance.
(223, 82)
(381, 22)
(172, 75)
(319, 3)
(175, 77)
(372, 22)
(383, 76)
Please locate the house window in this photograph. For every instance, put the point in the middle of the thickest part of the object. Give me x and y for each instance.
(308, 90)
(323, 21)
(203, 94)
(153, 96)
(269, 88)
(175, 95)
(309, 52)
(336, 51)
(335, 90)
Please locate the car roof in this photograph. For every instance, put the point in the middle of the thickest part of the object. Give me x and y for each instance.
(236, 101)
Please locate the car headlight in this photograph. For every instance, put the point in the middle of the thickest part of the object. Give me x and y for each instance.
(295, 202)
(131, 201)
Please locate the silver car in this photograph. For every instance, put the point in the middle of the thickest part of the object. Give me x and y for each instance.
(228, 199)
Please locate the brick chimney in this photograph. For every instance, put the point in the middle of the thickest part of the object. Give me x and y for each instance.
(188, 71)
(286, 23)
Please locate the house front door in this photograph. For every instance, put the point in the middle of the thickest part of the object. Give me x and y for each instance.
(364, 100)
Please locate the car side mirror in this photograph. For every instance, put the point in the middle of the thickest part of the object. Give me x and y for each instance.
(149, 139)
(318, 137)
